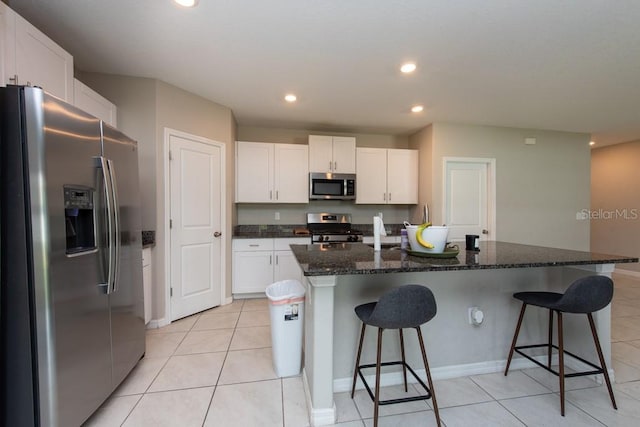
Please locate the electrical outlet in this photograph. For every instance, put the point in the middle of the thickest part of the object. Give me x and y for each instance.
(475, 316)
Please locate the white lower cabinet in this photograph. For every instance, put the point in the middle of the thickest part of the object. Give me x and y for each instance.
(257, 263)
(147, 279)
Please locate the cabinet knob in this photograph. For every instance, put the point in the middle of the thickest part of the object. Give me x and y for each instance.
(217, 234)
(14, 79)
(485, 231)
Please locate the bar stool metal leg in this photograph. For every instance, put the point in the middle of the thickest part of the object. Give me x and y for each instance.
(430, 382)
(355, 370)
(561, 362)
(550, 347)
(605, 371)
(404, 364)
(376, 401)
(515, 338)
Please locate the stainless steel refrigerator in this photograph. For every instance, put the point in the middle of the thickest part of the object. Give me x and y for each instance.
(71, 296)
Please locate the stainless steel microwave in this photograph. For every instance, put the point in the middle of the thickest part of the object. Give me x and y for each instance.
(332, 186)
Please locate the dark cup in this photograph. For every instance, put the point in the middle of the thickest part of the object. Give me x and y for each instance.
(473, 242)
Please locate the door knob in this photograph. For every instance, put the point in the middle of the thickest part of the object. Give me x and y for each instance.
(217, 234)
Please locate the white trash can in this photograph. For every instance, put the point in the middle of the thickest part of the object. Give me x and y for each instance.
(286, 308)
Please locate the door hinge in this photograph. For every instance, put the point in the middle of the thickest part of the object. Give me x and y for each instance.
(170, 156)
(170, 292)
(170, 223)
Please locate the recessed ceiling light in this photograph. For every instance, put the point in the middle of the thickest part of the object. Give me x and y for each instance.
(186, 3)
(409, 67)
(417, 108)
(290, 97)
(592, 143)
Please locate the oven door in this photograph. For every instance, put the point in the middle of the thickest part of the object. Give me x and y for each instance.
(328, 186)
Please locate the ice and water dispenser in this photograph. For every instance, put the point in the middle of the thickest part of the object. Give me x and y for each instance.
(79, 219)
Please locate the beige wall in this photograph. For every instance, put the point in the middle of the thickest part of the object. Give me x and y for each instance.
(186, 112)
(134, 98)
(615, 201)
(145, 108)
(301, 136)
(423, 141)
(540, 188)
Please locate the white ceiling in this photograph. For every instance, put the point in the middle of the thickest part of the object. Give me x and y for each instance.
(570, 65)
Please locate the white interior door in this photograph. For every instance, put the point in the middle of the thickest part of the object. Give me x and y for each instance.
(197, 186)
(468, 198)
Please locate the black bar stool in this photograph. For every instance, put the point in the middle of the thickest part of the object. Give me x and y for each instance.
(586, 295)
(408, 306)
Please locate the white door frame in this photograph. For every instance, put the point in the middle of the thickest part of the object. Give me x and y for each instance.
(168, 132)
(491, 188)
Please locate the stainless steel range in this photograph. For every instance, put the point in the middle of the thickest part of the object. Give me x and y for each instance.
(331, 227)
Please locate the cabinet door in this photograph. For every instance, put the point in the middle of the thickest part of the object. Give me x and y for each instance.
(7, 44)
(252, 271)
(371, 171)
(402, 176)
(320, 153)
(41, 62)
(254, 172)
(286, 267)
(147, 279)
(291, 181)
(344, 154)
(93, 103)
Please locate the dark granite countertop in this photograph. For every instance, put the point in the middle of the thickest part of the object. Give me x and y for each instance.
(358, 258)
(267, 231)
(148, 238)
(288, 230)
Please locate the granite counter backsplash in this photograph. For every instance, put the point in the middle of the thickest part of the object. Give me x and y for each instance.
(289, 230)
(269, 231)
(148, 238)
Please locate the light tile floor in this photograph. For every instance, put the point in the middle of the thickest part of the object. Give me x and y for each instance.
(214, 369)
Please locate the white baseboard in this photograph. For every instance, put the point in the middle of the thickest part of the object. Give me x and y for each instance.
(456, 371)
(318, 417)
(250, 296)
(158, 323)
(228, 300)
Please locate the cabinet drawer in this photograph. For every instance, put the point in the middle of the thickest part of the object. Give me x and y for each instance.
(282, 244)
(252, 244)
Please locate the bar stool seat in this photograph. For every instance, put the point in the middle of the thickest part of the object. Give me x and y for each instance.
(584, 296)
(407, 306)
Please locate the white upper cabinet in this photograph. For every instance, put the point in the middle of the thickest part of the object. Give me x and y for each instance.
(291, 173)
(31, 58)
(387, 176)
(93, 103)
(402, 176)
(335, 154)
(271, 173)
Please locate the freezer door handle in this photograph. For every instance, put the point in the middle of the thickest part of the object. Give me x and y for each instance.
(116, 221)
(102, 164)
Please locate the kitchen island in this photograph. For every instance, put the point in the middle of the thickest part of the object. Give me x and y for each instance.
(339, 277)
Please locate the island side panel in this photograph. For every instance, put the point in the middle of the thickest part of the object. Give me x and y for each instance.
(319, 349)
(454, 347)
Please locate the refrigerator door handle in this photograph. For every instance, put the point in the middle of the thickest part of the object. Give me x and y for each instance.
(101, 163)
(116, 221)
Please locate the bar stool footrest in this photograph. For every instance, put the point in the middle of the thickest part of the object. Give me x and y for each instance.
(399, 400)
(597, 369)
